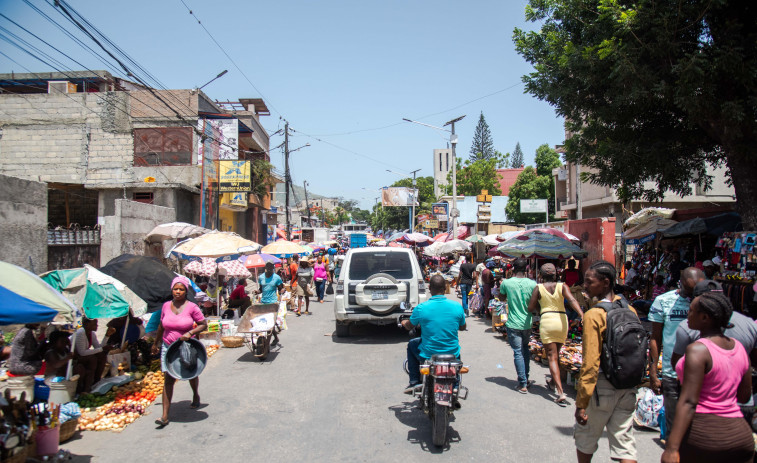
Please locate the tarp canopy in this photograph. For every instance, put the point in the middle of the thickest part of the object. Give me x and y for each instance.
(647, 214)
(715, 225)
(147, 277)
(540, 243)
(645, 232)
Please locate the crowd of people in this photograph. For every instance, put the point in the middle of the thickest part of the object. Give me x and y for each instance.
(706, 349)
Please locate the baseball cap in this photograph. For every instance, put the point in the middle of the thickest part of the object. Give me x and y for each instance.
(708, 263)
(706, 286)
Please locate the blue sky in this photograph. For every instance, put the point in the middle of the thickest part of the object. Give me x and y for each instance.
(332, 67)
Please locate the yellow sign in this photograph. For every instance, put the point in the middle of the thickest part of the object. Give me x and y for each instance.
(431, 224)
(484, 197)
(149, 179)
(234, 201)
(234, 176)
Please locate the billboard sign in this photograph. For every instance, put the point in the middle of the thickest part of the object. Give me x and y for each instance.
(398, 196)
(535, 206)
(234, 176)
(221, 137)
(440, 211)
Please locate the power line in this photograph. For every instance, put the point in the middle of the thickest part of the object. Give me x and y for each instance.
(269, 102)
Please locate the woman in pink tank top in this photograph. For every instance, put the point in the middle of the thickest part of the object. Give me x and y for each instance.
(709, 425)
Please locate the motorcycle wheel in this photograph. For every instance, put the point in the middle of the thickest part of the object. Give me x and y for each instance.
(440, 424)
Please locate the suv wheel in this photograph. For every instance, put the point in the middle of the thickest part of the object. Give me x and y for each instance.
(342, 330)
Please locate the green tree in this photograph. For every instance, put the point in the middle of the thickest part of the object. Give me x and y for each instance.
(483, 145)
(547, 159)
(472, 177)
(516, 159)
(528, 185)
(652, 91)
(398, 217)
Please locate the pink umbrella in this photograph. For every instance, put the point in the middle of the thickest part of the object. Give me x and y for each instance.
(462, 232)
(206, 266)
(441, 237)
(416, 239)
(259, 260)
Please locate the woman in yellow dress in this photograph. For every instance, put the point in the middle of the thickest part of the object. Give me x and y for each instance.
(548, 299)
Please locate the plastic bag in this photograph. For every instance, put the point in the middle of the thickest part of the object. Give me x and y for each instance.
(187, 356)
(648, 407)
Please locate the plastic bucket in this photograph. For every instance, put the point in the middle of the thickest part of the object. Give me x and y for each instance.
(48, 440)
(19, 384)
(41, 390)
(60, 393)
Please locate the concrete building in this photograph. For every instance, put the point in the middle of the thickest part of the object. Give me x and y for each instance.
(95, 138)
(602, 201)
(442, 166)
(23, 223)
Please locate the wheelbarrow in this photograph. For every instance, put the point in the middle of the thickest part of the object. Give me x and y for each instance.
(259, 327)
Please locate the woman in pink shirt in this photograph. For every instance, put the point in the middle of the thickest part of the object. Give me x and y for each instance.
(177, 322)
(320, 277)
(709, 425)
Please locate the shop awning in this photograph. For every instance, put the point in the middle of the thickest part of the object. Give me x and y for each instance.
(715, 225)
(646, 232)
(647, 214)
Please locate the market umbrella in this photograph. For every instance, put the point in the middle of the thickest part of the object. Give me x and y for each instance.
(416, 239)
(540, 244)
(397, 244)
(474, 239)
(450, 247)
(26, 298)
(308, 250)
(380, 243)
(508, 234)
(647, 214)
(219, 245)
(283, 249)
(207, 267)
(100, 295)
(147, 277)
(441, 237)
(491, 240)
(259, 260)
(395, 237)
(174, 231)
(432, 250)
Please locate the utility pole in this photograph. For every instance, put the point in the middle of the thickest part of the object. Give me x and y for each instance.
(454, 213)
(287, 177)
(579, 203)
(307, 203)
(415, 196)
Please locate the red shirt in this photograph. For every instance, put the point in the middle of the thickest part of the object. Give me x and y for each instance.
(238, 292)
(571, 277)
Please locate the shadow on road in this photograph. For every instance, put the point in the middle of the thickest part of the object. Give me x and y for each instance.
(512, 384)
(181, 413)
(408, 414)
(373, 334)
(81, 458)
(249, 357)
(565, 430)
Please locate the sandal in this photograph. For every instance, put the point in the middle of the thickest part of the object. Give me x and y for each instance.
(298, 314)
(195, 404)
(562, 400)
(161, 424)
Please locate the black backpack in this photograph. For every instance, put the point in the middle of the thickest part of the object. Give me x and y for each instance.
(624, 350)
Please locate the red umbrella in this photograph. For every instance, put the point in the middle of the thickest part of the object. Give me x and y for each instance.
(259, 260)
(441, 237)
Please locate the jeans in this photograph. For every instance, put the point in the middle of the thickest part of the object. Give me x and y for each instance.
(670, 390)
(518, 340)
(320, 287)
(465, 289)
(414, 360)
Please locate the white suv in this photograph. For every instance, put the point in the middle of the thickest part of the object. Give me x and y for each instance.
(372, 283)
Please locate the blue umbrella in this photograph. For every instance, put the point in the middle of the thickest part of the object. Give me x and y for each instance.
(26, 298)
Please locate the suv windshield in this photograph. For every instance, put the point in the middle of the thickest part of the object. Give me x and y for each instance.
(396, 264)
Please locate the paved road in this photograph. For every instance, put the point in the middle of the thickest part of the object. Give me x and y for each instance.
(322, 398)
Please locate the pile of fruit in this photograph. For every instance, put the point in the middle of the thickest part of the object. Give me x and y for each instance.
(212, 350)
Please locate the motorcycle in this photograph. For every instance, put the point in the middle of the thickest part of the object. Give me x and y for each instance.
(440, 392)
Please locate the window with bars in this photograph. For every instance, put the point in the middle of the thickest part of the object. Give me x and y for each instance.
(143, 197)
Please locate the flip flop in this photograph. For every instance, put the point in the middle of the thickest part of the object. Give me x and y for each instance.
(562, 400)
(195, 404)
(161, 424)
(522, 390)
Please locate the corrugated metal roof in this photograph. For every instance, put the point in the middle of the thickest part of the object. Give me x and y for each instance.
(469, 209)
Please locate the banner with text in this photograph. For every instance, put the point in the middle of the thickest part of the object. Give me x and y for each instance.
(398, 196)
(234, 176)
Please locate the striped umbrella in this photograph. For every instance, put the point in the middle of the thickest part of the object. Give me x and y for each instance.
(259, 260)
(26, 298)
(540, 244)
(208, 266)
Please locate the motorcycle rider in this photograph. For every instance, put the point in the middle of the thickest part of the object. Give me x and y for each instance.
(440, 319)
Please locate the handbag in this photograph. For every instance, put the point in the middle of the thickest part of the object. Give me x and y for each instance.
(330, 289)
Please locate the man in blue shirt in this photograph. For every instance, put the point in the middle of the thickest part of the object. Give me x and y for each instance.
(270, 285)
(440, 319)
(667, 312)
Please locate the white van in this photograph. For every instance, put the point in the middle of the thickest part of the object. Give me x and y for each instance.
(372, 283)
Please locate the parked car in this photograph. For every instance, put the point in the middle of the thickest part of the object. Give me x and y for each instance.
(371, 285)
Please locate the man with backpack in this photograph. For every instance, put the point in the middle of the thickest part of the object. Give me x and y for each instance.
(614, 363)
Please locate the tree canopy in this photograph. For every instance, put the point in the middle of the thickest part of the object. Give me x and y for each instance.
(398, 218)
(528, 185)
(483, 144)
(472, 177)
(656, 91)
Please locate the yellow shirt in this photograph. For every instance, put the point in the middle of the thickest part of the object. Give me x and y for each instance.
(595, 325)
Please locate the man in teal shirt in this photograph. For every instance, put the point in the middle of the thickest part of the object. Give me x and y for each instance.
(270, 285)
(440, 319)
(518, 290)
(667, 312)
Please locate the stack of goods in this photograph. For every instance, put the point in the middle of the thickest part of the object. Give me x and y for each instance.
(17, 428)
(212, 350)
(571, 355)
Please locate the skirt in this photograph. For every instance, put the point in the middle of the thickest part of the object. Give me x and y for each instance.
(713, 438)
(553, 327)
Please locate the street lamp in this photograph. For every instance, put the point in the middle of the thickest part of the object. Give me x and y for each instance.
(214, 78)
(412, 200)
(454, 213)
